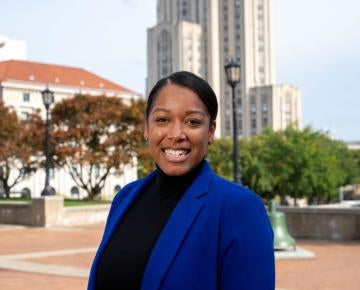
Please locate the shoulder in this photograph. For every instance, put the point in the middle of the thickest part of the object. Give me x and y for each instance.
(231, 194)
(238, 206)
(243, 217)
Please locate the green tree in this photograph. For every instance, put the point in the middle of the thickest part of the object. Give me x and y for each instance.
(354, 175)
(299, 164)
(253, 165)
(334, 166)
(94, 136)
(220, 156)
(145, 161)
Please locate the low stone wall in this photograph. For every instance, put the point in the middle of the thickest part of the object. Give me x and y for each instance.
(82, 215)
(50, 211)
(323, 223)
(17, 213)
(302, 222)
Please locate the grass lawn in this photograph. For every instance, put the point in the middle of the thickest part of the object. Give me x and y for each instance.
(67, 202)
(79, 202)
(14, 199)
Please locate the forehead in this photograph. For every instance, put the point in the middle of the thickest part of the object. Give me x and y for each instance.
(173, 96)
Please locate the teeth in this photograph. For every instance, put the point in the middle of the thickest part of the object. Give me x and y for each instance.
(175, 153)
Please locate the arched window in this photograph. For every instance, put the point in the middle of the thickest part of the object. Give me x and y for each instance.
(26, 192)
(74, 191)
(117, 188)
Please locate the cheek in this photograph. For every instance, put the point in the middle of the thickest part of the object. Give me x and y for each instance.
(155, 136)
(201, 141)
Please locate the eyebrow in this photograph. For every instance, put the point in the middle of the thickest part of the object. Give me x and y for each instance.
(186, 112)
(161, 110)
(195, 112)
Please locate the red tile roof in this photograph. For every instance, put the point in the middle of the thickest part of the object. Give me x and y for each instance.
(50, 74)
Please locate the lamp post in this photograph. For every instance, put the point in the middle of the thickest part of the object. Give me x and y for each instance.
(232, 71)
(48, 98)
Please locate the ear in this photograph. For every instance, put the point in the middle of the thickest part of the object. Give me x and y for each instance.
(146, 130)
(212, 132)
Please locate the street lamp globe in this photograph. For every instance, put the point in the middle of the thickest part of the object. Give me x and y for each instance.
(233, 72)
(48, 97)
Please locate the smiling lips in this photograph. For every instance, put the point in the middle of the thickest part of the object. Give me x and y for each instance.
(176, 154)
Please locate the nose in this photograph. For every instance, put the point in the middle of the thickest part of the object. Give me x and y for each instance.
(176, 131)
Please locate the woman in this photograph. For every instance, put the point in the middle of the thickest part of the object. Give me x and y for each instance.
(183, 227)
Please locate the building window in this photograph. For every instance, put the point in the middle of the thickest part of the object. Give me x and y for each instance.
(24, 116)
(240, 131)
(74, 191)
(184, 13)
(26, 97)
(253, 126)
(26, 192)
(117, 188)
(265, 122)
(253, 108)
(264, 110)
(239, 102)
(264, 106)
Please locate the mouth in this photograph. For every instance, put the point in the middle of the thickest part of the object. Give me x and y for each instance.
(176, 154)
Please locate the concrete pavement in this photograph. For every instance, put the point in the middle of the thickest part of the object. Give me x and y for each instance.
(60, 258)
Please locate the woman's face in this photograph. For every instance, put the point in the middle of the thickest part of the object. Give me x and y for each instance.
(179, 130)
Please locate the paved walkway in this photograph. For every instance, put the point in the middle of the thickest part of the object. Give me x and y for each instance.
(60, 258)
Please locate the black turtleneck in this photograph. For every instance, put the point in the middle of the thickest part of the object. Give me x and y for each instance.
(123, 262)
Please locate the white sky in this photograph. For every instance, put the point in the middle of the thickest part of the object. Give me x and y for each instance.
(316, 44)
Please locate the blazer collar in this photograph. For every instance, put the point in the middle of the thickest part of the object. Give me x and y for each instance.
(196, 189)
(176, 228)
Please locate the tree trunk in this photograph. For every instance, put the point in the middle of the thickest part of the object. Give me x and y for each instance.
(94, 192)
(6, 190)
(283, 200)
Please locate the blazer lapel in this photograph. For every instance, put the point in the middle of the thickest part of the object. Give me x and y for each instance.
(175, 230)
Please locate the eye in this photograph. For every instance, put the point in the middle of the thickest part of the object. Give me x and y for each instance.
(193, 122)
(161, 120)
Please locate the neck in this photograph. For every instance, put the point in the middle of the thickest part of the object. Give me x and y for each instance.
(173, 183)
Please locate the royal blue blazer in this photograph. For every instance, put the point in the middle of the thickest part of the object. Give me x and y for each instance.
(217, 238)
